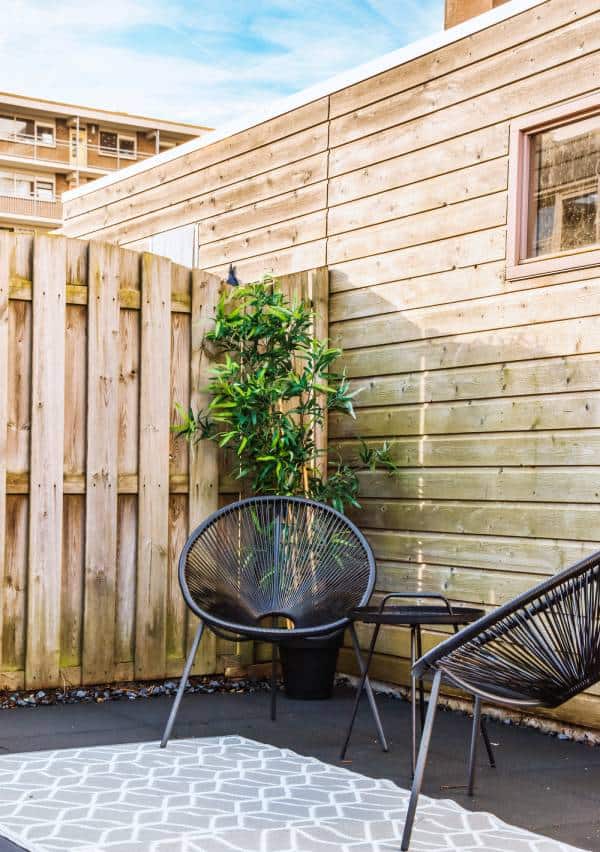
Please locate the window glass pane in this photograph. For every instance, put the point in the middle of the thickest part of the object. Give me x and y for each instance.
(565, 174)
(7, 125)
(127, 147)
(7, 185)
(108, 142)
(45, 190)
(24, 187)
(45, 134)
(24, 127)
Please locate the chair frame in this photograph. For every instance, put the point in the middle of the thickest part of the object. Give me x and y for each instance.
(524, 607)
(274, 635)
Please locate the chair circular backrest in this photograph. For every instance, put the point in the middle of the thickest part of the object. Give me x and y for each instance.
(540, 649)
(264, 559)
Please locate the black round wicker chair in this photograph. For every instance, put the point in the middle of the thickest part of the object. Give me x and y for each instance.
(538, 650)
(273, 568)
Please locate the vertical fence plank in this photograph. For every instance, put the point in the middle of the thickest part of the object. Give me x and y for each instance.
(46, 476)
(153, 521)
(204, 463)
(318, 293)
(5, 248)
(101, 467)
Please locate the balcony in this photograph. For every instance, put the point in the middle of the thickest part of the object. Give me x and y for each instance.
(30, 209)
(87, 159)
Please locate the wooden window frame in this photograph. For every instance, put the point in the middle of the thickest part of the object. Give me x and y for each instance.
(518, 265)
(131, 137)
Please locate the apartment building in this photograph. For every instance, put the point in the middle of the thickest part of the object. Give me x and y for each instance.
(47, 147)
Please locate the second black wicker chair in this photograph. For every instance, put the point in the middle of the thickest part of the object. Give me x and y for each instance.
(259, 561)
(538, 650)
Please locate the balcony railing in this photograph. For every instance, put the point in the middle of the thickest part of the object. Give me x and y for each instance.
(63, 152)
(30, 205)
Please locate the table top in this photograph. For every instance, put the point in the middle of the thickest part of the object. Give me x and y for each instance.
(413, 614)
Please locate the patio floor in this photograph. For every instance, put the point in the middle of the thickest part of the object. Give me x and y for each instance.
(543, 784)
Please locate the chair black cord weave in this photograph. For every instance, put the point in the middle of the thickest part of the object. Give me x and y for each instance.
(538, 650)
(260, 561)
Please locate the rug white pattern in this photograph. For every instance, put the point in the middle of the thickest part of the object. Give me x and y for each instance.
(225, 794)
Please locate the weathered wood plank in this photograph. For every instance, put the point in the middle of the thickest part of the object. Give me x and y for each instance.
(73, 582)
(47, 435)
(445, 190)
(556, 484)
(291, 232)
(497, 346)
(533, 56)
(489, 553)
(196, 182)
(282, 262)
(571, 79)
(553, 411)
(154, 423)
(5, 251)
(220, 201)
(527, 520)
(101, 464)
(76, 360)
(14, 584)
(318, 293)
(568, 448)
(204, 465)
(415, 261)
(126, 580)
(264, 134)
(550, 375)
(466, 217)
(543, 304)
(262, 213)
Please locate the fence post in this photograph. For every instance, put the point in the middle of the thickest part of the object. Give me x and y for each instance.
(46, 473)
(153, 477)
(98, 657)
(5, 250)
(204, 465)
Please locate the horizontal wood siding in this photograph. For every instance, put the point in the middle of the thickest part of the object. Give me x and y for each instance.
(487, 387)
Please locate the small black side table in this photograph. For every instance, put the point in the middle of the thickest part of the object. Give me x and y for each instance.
(413, 616)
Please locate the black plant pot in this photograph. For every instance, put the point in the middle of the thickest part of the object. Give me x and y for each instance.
(309, 666)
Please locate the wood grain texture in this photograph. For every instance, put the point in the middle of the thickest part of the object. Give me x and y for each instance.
(101, 464)
(5, 249)
(204, 463)
(153, 498)
(47, 433)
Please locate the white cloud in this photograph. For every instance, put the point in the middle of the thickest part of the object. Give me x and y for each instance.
(195, 61)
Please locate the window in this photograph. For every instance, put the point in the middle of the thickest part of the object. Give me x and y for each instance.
(554, 192)
(19, 129)
(27, 186)
(113, 144)
(44, 133)
(44, 189)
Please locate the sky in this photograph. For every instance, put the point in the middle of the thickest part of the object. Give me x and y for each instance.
(204, 61)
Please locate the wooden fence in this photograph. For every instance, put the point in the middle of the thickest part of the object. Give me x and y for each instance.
(97, 497)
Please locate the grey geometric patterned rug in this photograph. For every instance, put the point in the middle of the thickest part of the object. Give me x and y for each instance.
(226, 794)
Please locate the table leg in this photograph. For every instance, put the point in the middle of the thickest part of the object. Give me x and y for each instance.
(421, 683)
(413, 703)
(365, 684)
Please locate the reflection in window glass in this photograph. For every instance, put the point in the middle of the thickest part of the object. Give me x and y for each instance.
(44, 134)
(45, 190)
(24, 127)
(565, 175)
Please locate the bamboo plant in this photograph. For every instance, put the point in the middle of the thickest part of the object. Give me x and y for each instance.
(271, 393)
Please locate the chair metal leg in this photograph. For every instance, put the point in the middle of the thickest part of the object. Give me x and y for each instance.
(365, 684)
(421, 761)
(184, 679)
(474, 741)
(274, 684)
(413, 703)
(488, 745)
(421, 684)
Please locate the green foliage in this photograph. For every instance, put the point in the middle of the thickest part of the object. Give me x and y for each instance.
(271, 392)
